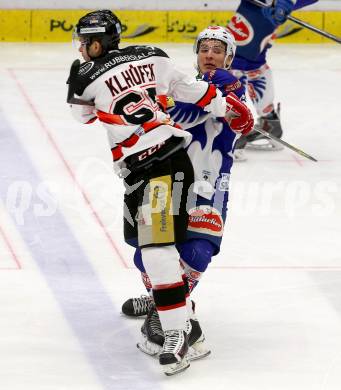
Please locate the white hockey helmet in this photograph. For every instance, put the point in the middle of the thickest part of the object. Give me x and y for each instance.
(221, 34)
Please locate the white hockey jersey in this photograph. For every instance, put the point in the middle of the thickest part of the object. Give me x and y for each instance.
(124, 84)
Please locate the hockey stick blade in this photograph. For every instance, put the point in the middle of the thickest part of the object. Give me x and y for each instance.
(300, 22)
(284, 143)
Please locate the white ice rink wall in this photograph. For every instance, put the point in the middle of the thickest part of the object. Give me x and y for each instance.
(150, 21)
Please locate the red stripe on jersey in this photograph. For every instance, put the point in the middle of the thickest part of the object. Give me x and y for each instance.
(171, 307)
(131, 141)
(111, 119)
(117, 152)
(133, 138)
(210, 94)
(148, 126)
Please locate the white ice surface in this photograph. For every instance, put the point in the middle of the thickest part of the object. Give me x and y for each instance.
(270, 303)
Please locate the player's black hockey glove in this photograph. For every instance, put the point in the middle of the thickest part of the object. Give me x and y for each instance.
(72, 80)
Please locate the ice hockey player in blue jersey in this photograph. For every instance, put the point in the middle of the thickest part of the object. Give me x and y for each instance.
(211, 153)
(253, 28)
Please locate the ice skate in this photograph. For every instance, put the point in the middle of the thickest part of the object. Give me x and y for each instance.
(153, 337)
(239, 155)
(239, 150)
(152, 334)
(270, 123)
(137, 307)
(173, 356)
(197, 346)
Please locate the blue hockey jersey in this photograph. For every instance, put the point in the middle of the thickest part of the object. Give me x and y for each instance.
(212, 139)
(253, 31)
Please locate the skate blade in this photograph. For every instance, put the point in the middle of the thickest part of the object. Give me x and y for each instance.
(149, 348)
(264, 145)
(239, 156)
(176, 368)
(198, 351)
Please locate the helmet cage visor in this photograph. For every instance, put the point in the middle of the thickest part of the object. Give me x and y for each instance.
(221, 34)
(82, 36)
(102, 26)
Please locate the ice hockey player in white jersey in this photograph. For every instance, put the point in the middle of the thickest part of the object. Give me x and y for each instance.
(122, 86)
(211, 153)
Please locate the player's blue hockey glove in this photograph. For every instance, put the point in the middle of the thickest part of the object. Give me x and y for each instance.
(224, 81)
(278, 13)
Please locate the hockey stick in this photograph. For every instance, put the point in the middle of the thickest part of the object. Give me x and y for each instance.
(284, 143)
(301, 23)
(143, 29)
(71, 99)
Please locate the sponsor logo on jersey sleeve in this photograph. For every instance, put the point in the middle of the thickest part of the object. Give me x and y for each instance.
(86, 67)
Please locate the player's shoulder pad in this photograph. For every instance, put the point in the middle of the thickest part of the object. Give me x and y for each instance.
(89, 71)
(144, 51)
(225, 81)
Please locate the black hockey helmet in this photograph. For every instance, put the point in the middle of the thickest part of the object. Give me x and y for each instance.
(103, 26)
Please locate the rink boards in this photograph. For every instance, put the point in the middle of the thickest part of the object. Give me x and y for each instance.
(151, 26)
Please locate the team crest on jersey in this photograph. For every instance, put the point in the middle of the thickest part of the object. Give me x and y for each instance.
(86, 67)
(241, 29)
(205, 219)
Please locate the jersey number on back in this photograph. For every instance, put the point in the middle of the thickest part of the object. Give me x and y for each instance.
(137, 106)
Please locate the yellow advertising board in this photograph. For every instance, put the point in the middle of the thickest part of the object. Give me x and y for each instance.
(15, 25)
(152, 26)
(221, 18)
(183, 26)
(54, 25)
(137, 26)
(291, 32)
(143, 26)
(332, 24)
